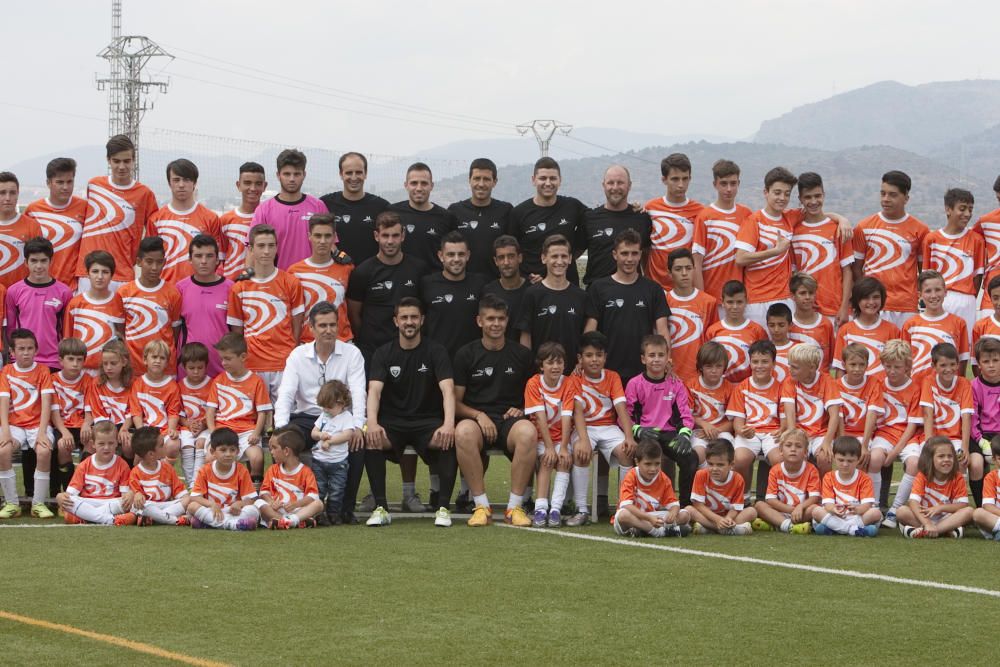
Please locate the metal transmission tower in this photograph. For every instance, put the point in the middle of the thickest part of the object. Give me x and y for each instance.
(544, 131)
(127, 89)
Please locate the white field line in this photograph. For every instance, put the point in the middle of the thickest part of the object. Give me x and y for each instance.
(771, 563)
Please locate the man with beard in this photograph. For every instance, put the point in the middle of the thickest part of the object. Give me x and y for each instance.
(602, 225)
(511, 285)
(355, 210)
(451, 296)
(425, 222)
(482, 219)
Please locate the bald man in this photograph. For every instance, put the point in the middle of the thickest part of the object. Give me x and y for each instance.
(602, 224)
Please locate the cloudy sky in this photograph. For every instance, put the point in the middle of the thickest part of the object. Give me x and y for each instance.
(396, 77)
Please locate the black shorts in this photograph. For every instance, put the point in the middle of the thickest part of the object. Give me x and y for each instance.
(416, 434)
(75, 432)
(503, 427)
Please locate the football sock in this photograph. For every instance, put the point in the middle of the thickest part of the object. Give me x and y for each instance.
(199, 461)
(8, 483)
(786, 525)
(409, 490)
(481, 501)
(542, 504)
(513, 501)
(581, 482)
(622, 471)
(876, 478)
(187, 464)
(41, 487)
(977, 491)
(903, 491)
(559, 490)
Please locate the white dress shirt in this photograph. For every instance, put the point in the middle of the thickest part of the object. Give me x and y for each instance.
(304, 374)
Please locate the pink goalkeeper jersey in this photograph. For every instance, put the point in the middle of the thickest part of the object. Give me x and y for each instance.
(660, 403)
(291, 222)
(39, 308)
(203, 311)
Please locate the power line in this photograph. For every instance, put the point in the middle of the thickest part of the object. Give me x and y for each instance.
(614, 151)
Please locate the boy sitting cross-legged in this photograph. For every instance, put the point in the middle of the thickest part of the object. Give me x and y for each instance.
(792, 488)
(289, 496)
(717, 495)
(160, 496)
(99, 491)
(223, 495)
(848, 505)
(647, 505)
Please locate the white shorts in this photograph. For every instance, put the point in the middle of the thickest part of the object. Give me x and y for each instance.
(897, 317)
(25, 437)
(603, 439)
(698, 438)
(760, 445)
(620, 530)
(273, 380)
(758, 311)
(963, 305)
(245, 444)
(188, 438)
(541, 448)
(83, 285)
(878, 442)
(814, 444)
(915, 449)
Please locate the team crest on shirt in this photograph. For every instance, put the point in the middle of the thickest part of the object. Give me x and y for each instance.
(394, 371)
(552, 309)
(409, 229)
(345, 218)
(388, 284)
(470, 224)
(489, 371)
(541, 226)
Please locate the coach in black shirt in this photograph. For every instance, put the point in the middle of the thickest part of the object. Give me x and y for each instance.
(425, 222)
(451, 296)
(481, 218)
(511, 285)
(602, 225)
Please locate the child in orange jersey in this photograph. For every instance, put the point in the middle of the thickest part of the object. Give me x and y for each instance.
(70, 416)
(958, 253)
(939, 502)
(811, 402)
(61, 217)
(223, 495)
(754, 407)
(672, 217)
(948, 405)
(934, 325)
(715, 230)
(235, 224)
(848, 499)
(99, 491)
(779, 322)
(108, 398)
(647, 504)
(792, 488)
(898, 426)
(324, 274)
(735, 332)
(710, 393)
(239, 400)
(97, 315)
(988, 326)
(155, 400)
(861, 401)
(289, 496)
(160, 496)
(692, 312)
(196, 388)
(868, 327)
(989, 227)
(987, 516)
(549, 401)
(152, 305)
(717, 495)
(808, 325)
(29, 394)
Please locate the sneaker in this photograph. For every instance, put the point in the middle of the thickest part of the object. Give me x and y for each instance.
(742, 529)
(555, 518)
(348, 519)
(578, 519)
(367, 504)
(246, 524)
(379, 517)
(143, 521)
(42, 511)
(10, 510)
(281, 524)
(323, 519)
(442, 518)
(413, 504)
(912, 533)
(958, 533)
(683, 530)
(481, 516)
(822, 529)
(761, 525)
(803, 528)
(464, 504)
(308, 523)
(183, 520)
(274, 524)
(698, 529)
(890, 519)
(516, 517)
(126, 519)
(72, 519)
(659, 531)
(871, 530)
(540, 519)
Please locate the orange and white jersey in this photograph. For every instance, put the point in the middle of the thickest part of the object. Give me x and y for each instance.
(709, 403)
(156, 402)
(107, 403)
(327, 282)
(988, 327)
(116, 218)
(157, 485)
(991, 488)
(93, 322)
(715, 231)
(92, 480)
(71, 397)
(781, 359)
(812, 402)
(649, 496)
(767, 280)
(195, 398)
(63, 227)
(556, 402)
(931, 492)
(690, 318)
(902, 408)
(237, 401)
(948, 403)
(235, 226)
(224, 489)
(989, 227)
(598, 397)
(719, 496)
(792, 489)
(959, 258)
(13, 235)
(289, 487)
(890, 251)
(672, 228)
(819, 333)
(27, 386)
(177, 228)
(872, 337)
(265, 308)
(923, 332)
(151, 313)
(818, 250)
(857, 490)
(737, 341)
(757, 406)
(858, 401)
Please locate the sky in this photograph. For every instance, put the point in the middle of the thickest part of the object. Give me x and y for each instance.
(396, 77)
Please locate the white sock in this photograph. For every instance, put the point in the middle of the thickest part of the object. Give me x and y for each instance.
(786, 526)
(876, 478)
(204, 514)
(903, 491)
(622, 471)
(542, 504)
(559, 490)
(41, 488)
(581, 484)
(93, 512)
(513, 500)
(481, 500)
(187, 464)
(199, 461)
(8, 484)
(409, 490)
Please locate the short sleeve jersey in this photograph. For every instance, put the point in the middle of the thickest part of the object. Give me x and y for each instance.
(819, 333)
(902, 408)
(715, 233)
(195, 398)
(959, 258)
(325, 282)
(27, 387)
(116, 219)
(818, 250)
(150, 314)
(988, 327)
(107, 403)
(92, 480)
(653, 495)
(989, 227)
(378, 287)
(873, 337)
(709, 403)
(625, 313)
(766, 280)
(672, 228)
(554, 315)
(600, 228)
(720, 497)
(356, 223)
(690, 318)
(494, 380)
(923, 332)
(71, 397)
(513, 298)
(265, 308)
(235, 228)
(291, 223)
(793, 488)
(13, 235)
(991, 488)
(854, 491)
(238, 401)
(948, 403)
(157, 485)
(63, 227)
(224, 489)
(857, 401)
(531, 224)
(889, 250)
(554, 402)
(39, 307)
(156, 402)
(411, 382)
(451, 308)
(599, 396)
(812, 402)
(289, 487)
(931, 492)
(757, 406)
(481, 226)
(204, 312)
(177, 229)
(424, 230)
(737, 341)
(93, 321)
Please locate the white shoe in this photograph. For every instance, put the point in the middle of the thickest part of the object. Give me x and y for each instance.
(442, 518)
(379, 517)
(890, 519)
